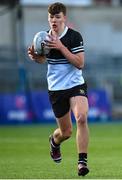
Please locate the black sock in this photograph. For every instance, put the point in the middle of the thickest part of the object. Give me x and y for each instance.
(54, 144)
(82, 159)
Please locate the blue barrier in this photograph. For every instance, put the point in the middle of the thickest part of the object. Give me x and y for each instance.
(41, 107)
(15, 108)
(100, 105)
(35, 107)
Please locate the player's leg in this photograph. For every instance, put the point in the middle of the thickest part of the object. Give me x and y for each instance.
(61, 108)
(62, 133)
(79, 106)
(65, 128)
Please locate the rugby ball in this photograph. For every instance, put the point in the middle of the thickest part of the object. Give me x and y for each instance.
(39, 43)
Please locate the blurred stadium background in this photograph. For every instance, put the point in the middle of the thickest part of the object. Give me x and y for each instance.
(23, 86)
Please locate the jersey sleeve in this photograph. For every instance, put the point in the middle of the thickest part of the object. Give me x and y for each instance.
(77, 44)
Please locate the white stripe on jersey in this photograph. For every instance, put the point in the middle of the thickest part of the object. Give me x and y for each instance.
(78, 49)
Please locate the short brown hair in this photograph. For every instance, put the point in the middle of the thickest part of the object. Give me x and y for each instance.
(56, 8)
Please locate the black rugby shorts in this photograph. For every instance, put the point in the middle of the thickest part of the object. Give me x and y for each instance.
(60, 100)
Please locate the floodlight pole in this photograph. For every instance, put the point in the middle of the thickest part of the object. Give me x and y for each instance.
(20, 47)
(17, 25)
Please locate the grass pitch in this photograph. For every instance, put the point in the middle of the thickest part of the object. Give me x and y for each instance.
(24, 153)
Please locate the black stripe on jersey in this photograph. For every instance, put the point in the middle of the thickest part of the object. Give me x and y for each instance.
(57, 61)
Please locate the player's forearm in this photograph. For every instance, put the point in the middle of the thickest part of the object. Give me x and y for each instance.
(73, 58)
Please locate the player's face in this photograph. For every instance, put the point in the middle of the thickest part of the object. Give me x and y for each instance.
(57, 22)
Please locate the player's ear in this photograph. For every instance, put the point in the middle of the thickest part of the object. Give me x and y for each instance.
(65, 19)
(48, 17)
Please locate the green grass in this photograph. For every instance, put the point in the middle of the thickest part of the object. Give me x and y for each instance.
(24, 153)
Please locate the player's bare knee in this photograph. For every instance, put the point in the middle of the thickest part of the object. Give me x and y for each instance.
(67, 133)
(81, 119)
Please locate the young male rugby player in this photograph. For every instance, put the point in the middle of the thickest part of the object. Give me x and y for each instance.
(66, 86)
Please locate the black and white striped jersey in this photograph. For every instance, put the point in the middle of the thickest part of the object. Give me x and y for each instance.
(61, 73)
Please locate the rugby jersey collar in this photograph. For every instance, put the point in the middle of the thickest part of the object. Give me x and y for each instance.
(63, 33)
